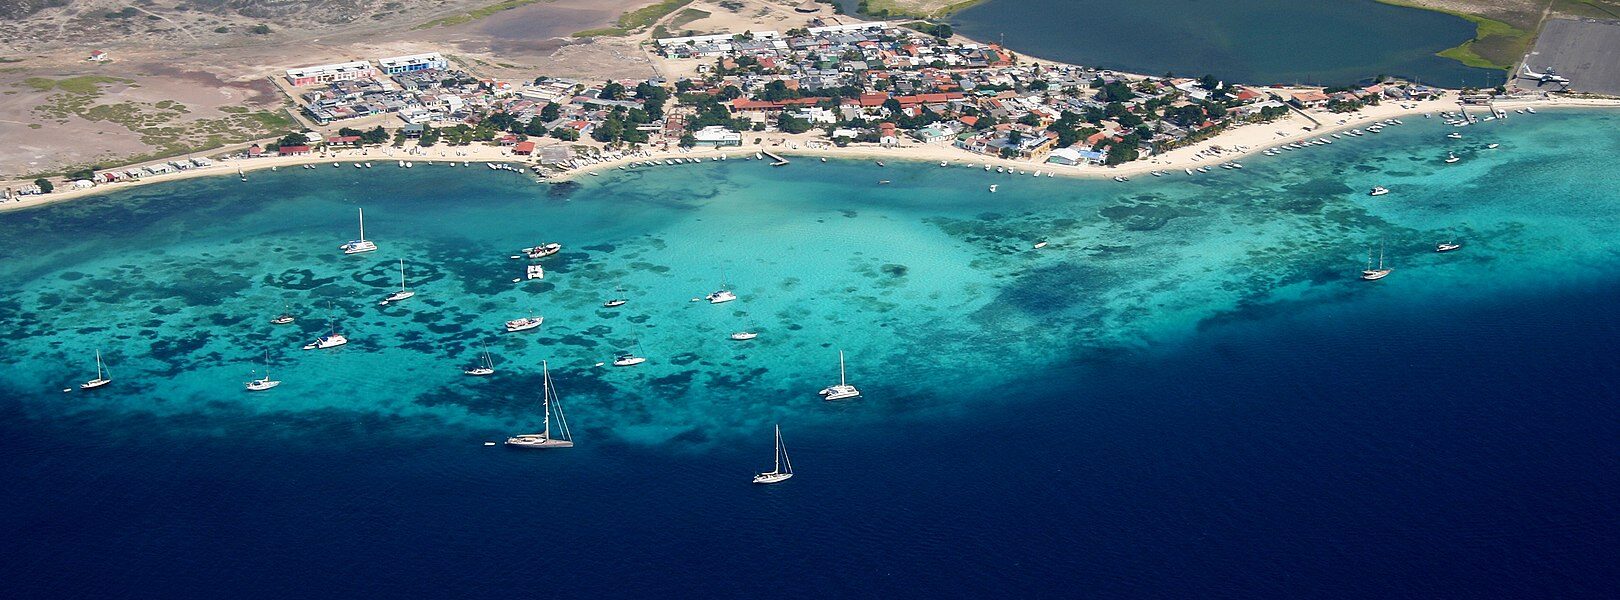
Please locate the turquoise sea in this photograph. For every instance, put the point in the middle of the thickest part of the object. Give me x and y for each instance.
(1325, 42)
(1188, 392)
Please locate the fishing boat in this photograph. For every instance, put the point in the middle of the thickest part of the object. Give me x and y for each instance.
(1447, 246)
(784, 466)
(628, 360)
(542, 250)
(843, 390)
(403, 293)
(263, 383)
(744, 335)
(1378, 190)
(486, 366)
(103, 375)
(524, 324)
(549, 403)
(1371, 274)
(362, 244)
(534, 272)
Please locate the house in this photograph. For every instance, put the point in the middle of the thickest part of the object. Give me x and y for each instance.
(347, 71)
(411, 63)
(717, 136)
(523, 148)
(887, 135)
(293, 150)
(342, 140)
(1075, 156)
(98, 56)
(1309, 99)
(413, 131)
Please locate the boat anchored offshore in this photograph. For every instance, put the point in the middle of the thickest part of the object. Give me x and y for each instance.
(628, 360)
(543, 250)
(1378, 190)
(362, 244)
(403, 293)
(784, 465)
(744, 335)
(1454, 135)
(486, 366)
(1447, 246)
(1451, 158)
(331, 340)
(534, 272)
(263, 383)
(722, 295)
(843, 390)
(524, 324)
(285, 317)
(549, 403)
(103, 375)
(1371, 274)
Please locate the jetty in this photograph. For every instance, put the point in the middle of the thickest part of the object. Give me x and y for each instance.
(779, 160)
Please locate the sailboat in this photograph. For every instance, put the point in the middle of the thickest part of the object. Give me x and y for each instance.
(721, 295)
(549, 402)
(486, 366)
(402, 293)
(1371, 274)
(332, 339)
(103, 375)
(618, 300)
(784, 465)
(843, 389)
(285, 317)
(362, 244)
(524, 323)
(265, 383)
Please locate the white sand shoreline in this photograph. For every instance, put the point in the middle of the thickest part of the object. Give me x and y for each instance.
(1236, 143)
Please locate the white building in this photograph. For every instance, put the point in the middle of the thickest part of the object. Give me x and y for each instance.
(717, 136)
(329, 73)
(413, 62)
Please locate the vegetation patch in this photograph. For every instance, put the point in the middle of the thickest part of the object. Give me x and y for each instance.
(475, 14)
(919, 9)
(637, 19)
(1496, 45)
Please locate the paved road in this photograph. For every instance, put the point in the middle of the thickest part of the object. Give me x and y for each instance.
(1585, 51)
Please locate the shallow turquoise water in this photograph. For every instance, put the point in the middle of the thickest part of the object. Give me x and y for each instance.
(1189, 375)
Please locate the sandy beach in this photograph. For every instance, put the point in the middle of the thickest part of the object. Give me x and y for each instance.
(1230, 145)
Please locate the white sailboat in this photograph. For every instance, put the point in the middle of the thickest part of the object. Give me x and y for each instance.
(285, 317)
(103, 375)
(1371, 274)
(403, 293)
(264, 383)
(549, 402)
(362, 244)
(721, 295)
(486, 366)
(784, 465)
(524, 323)
(843, 390)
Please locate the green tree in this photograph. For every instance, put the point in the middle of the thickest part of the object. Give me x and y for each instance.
(611, 91)
(791, 124)
(688, 140)
(565, 134)
(45, 185)
(551, 112)
(535, 128)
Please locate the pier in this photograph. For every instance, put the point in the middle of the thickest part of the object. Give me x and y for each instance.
(779, 160)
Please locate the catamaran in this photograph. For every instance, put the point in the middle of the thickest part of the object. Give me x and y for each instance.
(1371, 274)
(721, 295)
(784, 465)
(265, 383)
(843, 389)
(103, 375)
(362, 244)
(549, 402)
(403, 293)
(534, 272)
(486, 366)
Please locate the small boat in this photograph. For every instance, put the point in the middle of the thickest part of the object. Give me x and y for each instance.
(362, 244)
(1121, 178)
(543, 250)
(1188, 170)
(883, 182)
(331, 340)
(992, 188)
(614, 303)
(285, 317)
(1371, 274)
(1203, 169)
(628, 360)
(263, 383)
(524, 324)
(1451, 158)
(1447, 246)
(944, 163)
(1492, 146)
(1454, 135)
(784, 466)
(403, 293)
(880, 163)
(843, 390)
(1039, 245)
(486, 366)
(103, 375)
(1530, 109)
(549, 403)
(744, 335)
(1237, 165)
(534, 272)
(1378, 190)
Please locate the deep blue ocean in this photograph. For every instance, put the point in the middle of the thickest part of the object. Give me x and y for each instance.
(1188, 394)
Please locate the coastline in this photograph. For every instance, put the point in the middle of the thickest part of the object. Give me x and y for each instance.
(1235, 143)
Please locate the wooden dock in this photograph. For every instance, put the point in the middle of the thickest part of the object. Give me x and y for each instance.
(779, 160)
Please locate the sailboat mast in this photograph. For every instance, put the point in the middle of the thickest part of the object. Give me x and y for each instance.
(841, 368)
(362, 224)
(777, 455)
(98, 363)
(401, 274)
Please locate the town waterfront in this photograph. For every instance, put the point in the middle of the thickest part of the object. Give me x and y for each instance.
(1187, 393)
(1326, 42)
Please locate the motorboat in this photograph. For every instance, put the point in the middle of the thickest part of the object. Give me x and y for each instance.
(614, 303)
(524, 324)
(1447, 246)
(628, 360)
(1378, 190)
(1492, 146)
(1454, 135)
(542, 250)
(331, 340)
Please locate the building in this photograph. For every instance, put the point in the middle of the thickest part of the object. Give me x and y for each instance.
(1074, 156)
(1309, 99)
(348, 71)
(523, 148)
(411, 63)
(293, 150)
(98, 56)
(717, 136)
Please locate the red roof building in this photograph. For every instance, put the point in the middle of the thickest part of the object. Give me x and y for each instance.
(293, 150)
(523, 148)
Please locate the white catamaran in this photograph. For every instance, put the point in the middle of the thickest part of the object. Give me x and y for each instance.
(403, 293)
(784, 465)
(362, 244)
(103, 375)
(549, 402)
(843, 390)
